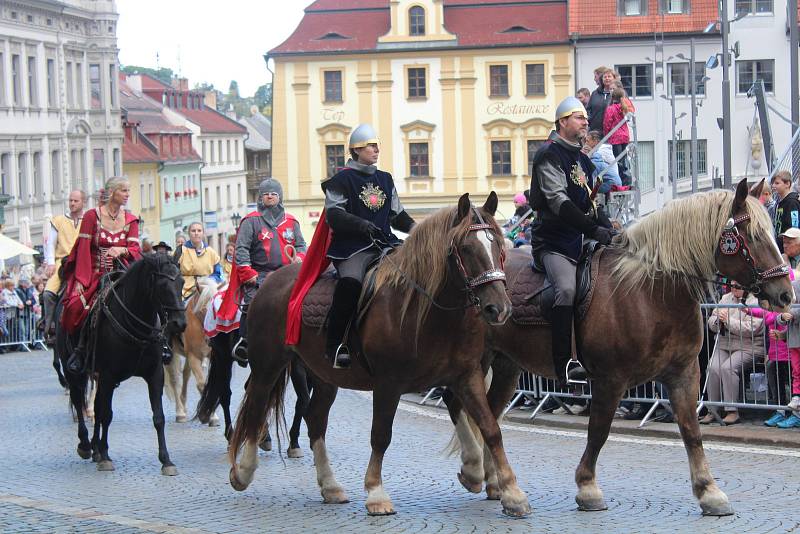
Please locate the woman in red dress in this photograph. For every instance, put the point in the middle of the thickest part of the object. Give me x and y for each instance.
(107, 232)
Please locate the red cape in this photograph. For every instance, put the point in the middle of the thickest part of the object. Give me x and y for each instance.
(314, 264)
(228, 308)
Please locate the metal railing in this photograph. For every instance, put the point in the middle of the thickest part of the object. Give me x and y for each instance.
(19, 330)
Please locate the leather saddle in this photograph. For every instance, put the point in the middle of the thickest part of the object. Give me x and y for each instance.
(533, 295)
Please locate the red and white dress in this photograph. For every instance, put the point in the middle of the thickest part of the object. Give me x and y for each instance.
(89, 261)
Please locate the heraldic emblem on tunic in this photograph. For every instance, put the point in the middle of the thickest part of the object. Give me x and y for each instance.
(372, 196)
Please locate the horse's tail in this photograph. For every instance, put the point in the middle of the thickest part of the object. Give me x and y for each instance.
(454, 446)
(258, 401)
(218, 380)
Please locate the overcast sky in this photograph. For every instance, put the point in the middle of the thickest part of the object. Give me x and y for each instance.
(216, 41)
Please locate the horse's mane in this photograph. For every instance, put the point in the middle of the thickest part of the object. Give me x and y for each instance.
(679, 241)
(423, 260)
(208, 288)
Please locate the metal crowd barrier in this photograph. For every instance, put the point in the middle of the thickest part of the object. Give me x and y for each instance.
(19, 331)
(757, 374)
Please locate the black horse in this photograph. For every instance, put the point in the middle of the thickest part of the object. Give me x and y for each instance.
(126, 340)
(218, 391)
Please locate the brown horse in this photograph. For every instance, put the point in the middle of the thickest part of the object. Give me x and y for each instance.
(644, 323)
(450, 262)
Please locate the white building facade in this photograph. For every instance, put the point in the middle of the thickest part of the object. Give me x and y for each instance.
(60, 124)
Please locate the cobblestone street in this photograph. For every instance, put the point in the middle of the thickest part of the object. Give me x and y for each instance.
(46, 487)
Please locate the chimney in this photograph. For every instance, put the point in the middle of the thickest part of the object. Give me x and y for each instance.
(210, 99)
(180, 84)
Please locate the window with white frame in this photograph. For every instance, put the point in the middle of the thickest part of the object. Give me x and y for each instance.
(5, 169)
(55, 172)
(753, 7)
(750, 71)
(501, 158)
(637, 79)
(95, 89)
(419, 159)
(22, 177)
(632, 8)
(51, 83)
(684, 158)
(646, 165)
(16, 89)
(2, 80)
(416, 21)
(674, 7)
(33, 95)
(679, 78)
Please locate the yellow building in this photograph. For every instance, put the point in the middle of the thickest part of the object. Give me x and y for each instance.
(461, 94)
(141, 165)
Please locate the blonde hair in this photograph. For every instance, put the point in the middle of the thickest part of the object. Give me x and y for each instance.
(112, 185)
(619, 95)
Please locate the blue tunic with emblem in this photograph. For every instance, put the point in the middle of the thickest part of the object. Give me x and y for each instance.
(369, 196)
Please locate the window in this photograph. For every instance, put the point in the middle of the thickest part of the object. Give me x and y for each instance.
(84, 169)
(2, 80)
(498, 80)
(219, 150)
(207, 198)
(37, 175)
(151, 195)
(33, 97)
(5, 169)
(679, 78)
(418, 159)
(204, 153)
(534, 79)
(95, 88)
(334, 159)
(501, 158)
(646, 165)
(238, 194)
(99, 158)
(637, 79)
(55, 172)
(748, 72)
(533, 147)
(236, 149)
(22, 178)
(112, 84)
(684, 158)
(79, 101)
(70, 89)
(228, 149)
(15, 82)
(142, 199)
(211, 160)
(51, 83)
(219, 197)
(674, 7)
(228, 194)
(753, 7)
(632, 8)
(416, 83)
(416, 21)
(333, 86)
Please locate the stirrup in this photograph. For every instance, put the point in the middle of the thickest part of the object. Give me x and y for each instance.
(574, 365)
(241, 360)
(343, 355)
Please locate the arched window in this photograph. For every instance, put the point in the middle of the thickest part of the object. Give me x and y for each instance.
(416, 21)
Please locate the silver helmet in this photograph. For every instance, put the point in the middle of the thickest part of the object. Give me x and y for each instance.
(363, 135)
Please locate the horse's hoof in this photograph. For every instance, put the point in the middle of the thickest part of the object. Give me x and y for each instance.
(517, 511)
(296, 452)
(181, 419)
(265, 445)
(380, 508)
(493, 493)
(334, 496)
(96, 457)
(213, 422)
(84, 453)
(591, 505)
(169, 470)
(235, 483)
(470, 486)
(719, 510)
(105, 465)
(515, 504)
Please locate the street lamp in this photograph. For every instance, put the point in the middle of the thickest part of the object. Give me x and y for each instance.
(235, 220)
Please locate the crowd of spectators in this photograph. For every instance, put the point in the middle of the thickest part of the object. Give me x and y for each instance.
(20, 306)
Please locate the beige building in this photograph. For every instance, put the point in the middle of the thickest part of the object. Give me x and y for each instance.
(461, 95)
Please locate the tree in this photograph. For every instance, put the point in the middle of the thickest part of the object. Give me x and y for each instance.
(163, 74)
(233, 89)
(263, 95)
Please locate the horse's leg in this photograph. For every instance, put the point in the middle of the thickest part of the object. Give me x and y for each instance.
(103, 416)
(605, 399)
(78, 400)
(683, 394)
(194, 359)
(92, 385)
(172, 383)
(225, 397)
(505, 380)
(317, 422)
(384, 408)
(57, 366)
(473, 396)
(186, 373)
(155, 386)
(300, 384)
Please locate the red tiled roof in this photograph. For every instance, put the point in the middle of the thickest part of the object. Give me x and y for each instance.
(140, 151)
(475, 23)
(211, 121)
(155, 123)
(600, 18)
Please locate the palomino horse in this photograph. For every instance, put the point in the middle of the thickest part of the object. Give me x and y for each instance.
(450, 261)
(193, 346)
(127, 342)
(217, 391)
(644, 323)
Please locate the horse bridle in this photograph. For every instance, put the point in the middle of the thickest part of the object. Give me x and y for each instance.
(486, 277)
(733, 243)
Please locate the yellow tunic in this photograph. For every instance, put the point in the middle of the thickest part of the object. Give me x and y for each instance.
(226, 268)
(67, 235)
(194, 266)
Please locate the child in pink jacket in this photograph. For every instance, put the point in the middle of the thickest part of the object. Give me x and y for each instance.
(615, 112)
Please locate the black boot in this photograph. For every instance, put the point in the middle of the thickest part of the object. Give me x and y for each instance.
(166, 353)
(77, 359)
(345, 302)
(567, 372)
(239, 352)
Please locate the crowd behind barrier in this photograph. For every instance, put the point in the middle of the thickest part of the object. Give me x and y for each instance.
(764, 375)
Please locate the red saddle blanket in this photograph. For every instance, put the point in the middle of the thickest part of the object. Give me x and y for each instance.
(532, 294)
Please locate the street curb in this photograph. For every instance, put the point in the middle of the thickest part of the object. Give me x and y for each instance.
(743, 434)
